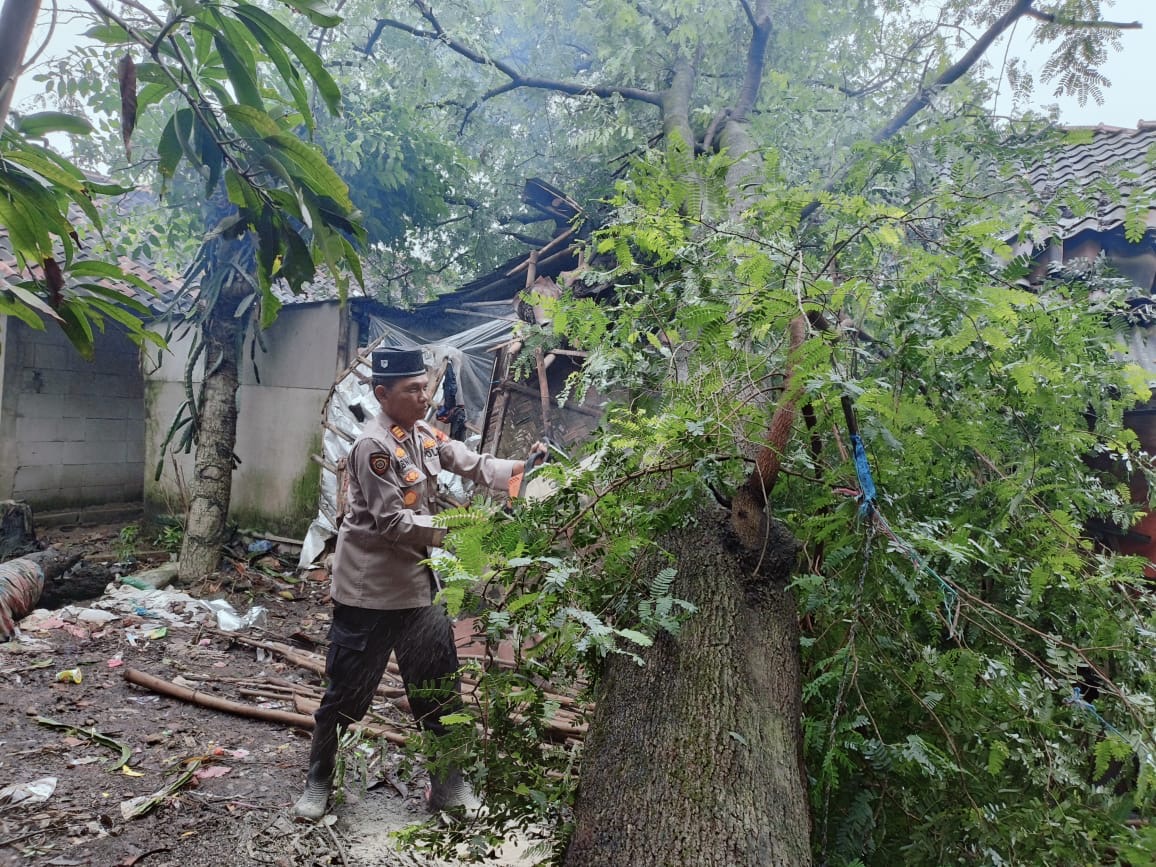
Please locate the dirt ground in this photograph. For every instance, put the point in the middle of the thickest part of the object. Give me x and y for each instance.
(84, 766)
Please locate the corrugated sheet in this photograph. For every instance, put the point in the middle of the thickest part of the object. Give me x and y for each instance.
(1116, 157)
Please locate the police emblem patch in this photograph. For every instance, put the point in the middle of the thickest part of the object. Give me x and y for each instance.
(412, 476)
(379, 464)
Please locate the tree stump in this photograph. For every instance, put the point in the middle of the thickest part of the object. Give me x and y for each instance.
(17, 536)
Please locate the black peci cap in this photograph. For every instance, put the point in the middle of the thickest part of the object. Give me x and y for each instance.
(397, 362)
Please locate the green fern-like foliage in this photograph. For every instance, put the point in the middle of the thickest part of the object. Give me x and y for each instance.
(940, 648)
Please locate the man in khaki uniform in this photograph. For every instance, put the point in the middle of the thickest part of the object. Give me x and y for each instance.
(382, 592)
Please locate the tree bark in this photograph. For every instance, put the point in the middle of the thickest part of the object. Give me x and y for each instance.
(694, 757)
(17, 20)
(223, 287)
(206, 526)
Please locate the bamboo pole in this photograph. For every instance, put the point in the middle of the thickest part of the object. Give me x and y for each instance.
(543, 390)
(551, 258)
(305, 706)
(301, 660)
(213, 702)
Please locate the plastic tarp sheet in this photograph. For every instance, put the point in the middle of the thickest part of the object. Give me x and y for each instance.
(470, 352)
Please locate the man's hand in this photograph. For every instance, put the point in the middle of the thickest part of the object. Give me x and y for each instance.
(539, 451)
(538, 448)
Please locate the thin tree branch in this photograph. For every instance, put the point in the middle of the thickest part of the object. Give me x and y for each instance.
(661, 23)
(144, 10)
(44, 44)
(712, 130)
(1053, 18)
(516, 79)
(952, 74)
(749, 12)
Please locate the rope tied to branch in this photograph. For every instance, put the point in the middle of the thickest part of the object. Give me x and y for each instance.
(869, 508)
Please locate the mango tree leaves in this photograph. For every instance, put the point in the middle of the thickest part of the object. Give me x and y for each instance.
(218, 69)
(43, 198)
(43, 122)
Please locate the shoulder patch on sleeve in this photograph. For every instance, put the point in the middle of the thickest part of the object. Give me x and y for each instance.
(379, 464)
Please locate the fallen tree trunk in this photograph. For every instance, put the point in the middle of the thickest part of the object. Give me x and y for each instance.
(22, 583)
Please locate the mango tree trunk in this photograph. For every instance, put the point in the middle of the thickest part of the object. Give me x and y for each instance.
(206, 525)
(227, 265)
(694, 758)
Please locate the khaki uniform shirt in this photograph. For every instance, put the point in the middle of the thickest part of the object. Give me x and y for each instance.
(388, 526)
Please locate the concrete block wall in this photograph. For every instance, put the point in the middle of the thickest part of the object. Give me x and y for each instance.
(278, 423)
(71, 431)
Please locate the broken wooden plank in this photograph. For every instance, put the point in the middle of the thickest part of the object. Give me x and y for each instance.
(318, 459)
(510, 386)
(330, 426)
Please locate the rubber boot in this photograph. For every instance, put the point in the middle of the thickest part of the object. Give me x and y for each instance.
(450, 791)
(311, 805)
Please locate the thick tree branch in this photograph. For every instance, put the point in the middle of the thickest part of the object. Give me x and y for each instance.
(762, 29)
(955, 72)
(676, 102)
(17, 20)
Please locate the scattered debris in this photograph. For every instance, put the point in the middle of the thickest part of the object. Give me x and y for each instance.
(228, 804)
(153, 579)
(228, 620)
(95, 736)
(134, 808)
(26, 794)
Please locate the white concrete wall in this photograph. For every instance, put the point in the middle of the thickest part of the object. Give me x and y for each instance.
(278, 426)
(71, 431)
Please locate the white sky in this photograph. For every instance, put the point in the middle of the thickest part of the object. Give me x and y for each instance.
(1131, 97)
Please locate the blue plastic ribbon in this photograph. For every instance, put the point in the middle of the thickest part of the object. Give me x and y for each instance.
(863, 471)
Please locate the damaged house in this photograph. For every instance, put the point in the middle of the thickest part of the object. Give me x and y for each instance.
(1102, 181)
(471, 339)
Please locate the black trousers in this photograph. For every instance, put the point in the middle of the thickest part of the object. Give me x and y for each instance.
(360, 642)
